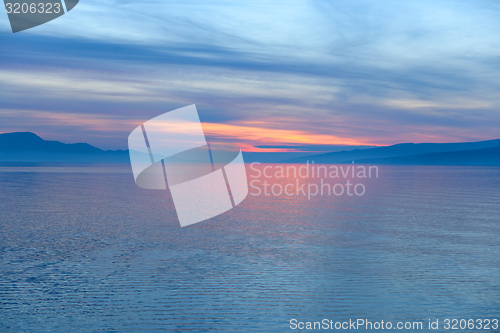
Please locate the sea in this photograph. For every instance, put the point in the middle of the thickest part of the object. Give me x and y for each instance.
(83, 249)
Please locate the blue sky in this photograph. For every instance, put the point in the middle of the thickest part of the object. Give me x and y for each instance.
(260, 72)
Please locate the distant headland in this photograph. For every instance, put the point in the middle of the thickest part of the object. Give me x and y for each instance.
(29, 147)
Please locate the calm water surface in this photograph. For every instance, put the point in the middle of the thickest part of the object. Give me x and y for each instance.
(83, 249)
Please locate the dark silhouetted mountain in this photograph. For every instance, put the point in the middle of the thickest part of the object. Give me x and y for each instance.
(487, 156)
(29, 147)
(398, 150)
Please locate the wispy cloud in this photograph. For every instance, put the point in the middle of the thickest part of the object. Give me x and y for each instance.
(359, 71)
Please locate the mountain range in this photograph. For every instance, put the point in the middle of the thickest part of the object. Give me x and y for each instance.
(461, 153)
(29, 147)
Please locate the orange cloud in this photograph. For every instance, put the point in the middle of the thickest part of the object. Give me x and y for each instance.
(251, 134)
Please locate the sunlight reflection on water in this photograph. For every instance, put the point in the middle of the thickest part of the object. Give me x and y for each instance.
(83, 249)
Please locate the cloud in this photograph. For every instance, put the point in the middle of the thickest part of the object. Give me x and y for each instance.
(357, 71)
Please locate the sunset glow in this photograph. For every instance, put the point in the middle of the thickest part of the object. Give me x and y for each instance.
(251, 135)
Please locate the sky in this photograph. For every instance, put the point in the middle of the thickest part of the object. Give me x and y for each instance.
(260, 72)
